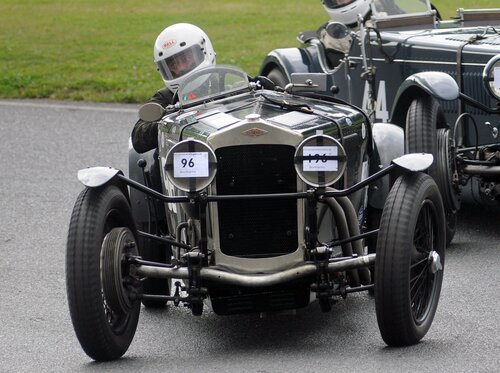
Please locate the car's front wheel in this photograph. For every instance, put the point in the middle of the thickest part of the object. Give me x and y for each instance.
(423, 120)
(102, 292)
(446, 181)
(410, 259)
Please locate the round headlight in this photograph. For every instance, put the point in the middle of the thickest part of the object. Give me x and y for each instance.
(491, 77)
(320, 160)
(191, 165)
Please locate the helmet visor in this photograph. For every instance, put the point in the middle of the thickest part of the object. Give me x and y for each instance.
(181, 63)
(333, 4)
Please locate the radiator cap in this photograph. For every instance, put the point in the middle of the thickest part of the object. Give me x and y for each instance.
(254, 117)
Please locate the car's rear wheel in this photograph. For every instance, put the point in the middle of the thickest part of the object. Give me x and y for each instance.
(410, 259)
(278, 77)
(102, 294)
(423, 120)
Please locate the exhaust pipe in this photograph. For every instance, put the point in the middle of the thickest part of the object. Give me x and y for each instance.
(257, 280)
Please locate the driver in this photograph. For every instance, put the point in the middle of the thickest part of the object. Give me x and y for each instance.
(346, 12)
(178, 50)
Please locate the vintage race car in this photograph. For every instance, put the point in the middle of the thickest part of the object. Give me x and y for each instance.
(262, 205)
(438, 80)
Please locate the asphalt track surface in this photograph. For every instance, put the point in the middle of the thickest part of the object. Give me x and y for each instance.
(44, 143)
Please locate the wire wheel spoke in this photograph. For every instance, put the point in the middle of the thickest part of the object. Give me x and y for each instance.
(420, 291)
(424, 232)
(420, 262)
(422, 278)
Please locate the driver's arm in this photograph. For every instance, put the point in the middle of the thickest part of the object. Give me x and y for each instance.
(145, 134)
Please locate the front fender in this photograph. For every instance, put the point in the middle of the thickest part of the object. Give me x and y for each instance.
(437, 84)
(94, 177)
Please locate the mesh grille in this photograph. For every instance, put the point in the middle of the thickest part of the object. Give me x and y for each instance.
(257, 228)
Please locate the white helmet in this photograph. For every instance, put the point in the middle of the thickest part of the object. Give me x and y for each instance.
(180, 49)
(346, 11)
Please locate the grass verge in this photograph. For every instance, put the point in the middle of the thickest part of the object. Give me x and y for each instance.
(102, 51)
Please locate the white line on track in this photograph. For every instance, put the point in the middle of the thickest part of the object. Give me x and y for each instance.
(68, 106)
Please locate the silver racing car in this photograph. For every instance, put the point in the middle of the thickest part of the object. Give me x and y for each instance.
(256, 201)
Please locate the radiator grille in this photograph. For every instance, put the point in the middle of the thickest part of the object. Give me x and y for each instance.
(472, 85)
(257, 228)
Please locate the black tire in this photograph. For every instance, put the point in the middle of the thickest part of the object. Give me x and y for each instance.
(422, 122)
(154, 251)
(421, 125)
(278, 77)
(449, 188)
(410, 250)
(104, 310)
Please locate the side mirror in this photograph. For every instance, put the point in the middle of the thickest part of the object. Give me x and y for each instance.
(337, 37)
(151, 112)
(337, 30)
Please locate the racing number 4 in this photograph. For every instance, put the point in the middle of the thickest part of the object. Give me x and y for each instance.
(381, 112)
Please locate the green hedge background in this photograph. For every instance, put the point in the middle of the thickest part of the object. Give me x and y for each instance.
(102, 51)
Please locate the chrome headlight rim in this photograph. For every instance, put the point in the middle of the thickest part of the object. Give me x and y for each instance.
(491, 84)
(320, 160)
(191, 165)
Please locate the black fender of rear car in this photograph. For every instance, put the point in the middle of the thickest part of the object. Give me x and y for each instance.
(288, 60)
(437, 84)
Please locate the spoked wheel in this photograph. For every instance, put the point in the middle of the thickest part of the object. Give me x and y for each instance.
(424, 122)
(445, 165)
(102, 293)
(410, 259)
(155, 252)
